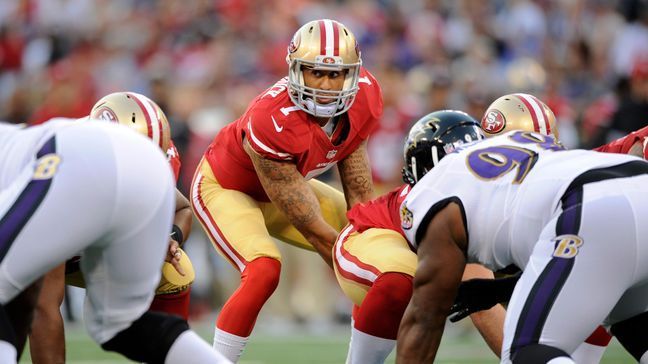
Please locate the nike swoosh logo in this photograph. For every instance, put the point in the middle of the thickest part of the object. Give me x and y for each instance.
(364, 79)
(277, 127)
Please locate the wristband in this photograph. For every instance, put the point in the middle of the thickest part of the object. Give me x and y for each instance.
(176, 234)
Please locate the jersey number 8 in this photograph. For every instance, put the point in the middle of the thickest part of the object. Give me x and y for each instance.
(47, 166)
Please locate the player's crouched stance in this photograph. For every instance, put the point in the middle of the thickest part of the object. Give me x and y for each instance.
(521, 199)
(66, 188)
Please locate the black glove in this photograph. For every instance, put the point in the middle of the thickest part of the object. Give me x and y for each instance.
(479, 294)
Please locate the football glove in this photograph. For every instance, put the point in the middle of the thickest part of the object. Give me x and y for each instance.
(480, 294)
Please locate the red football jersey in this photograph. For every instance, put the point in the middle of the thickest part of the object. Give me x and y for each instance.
(174, 160)
(623, 145)
(279, 130)
(382, 212)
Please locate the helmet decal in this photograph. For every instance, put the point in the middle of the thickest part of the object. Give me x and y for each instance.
(493, 121)
(294, 43)
(104, 113)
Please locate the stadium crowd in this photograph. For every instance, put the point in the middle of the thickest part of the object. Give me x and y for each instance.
(203, 61)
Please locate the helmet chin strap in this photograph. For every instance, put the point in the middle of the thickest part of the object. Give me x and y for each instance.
(319, 110)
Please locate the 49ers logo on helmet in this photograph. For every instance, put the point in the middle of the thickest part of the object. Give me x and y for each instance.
(493, 122)
(328, 60)
(294, 43)
(104, 113)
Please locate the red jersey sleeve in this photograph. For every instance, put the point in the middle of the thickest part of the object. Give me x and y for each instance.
(383, 212)
(368, 104)
(275, 135)
(623, 145)
(174, 160)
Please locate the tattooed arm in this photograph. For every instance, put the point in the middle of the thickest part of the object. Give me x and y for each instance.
(356, 176)
(290, 192)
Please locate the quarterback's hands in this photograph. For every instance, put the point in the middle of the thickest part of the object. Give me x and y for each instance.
(479, 294)
(173, 256)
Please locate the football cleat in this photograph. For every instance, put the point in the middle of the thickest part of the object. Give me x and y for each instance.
(137, 112)
(519, 112)
(329, 46)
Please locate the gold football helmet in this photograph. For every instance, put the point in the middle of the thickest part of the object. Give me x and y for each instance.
(327, 45)
(519, 112)
(137, 112)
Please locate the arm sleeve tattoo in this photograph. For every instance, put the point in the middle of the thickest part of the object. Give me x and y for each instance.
(287, 189)
(355, 174)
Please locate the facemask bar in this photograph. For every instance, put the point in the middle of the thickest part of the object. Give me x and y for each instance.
(304, 97)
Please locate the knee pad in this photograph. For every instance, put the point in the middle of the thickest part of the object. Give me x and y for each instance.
(396, 288)
(262, 276)
(631, 333)
(537, 354)
(149, 338)
(387, 299)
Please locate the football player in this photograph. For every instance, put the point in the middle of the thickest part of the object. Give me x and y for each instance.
(634, 144)
(521, 199)
(526, 112)
(373, 261)
(256, 179)
(138, 112)
(67, 188)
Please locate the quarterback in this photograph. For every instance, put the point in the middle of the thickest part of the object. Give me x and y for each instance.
(522, 199)
(256, 179)
(373, 261)
(67, 188)
(138, 112)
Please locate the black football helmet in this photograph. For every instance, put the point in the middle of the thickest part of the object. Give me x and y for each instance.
(432, 137)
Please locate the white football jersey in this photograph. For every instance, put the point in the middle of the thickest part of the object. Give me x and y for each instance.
(509, 187)
(17, 144)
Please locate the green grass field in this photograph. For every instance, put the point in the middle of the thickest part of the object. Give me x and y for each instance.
(298, 346)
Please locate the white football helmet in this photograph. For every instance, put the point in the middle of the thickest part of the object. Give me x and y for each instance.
(326, 45)
(136, 111)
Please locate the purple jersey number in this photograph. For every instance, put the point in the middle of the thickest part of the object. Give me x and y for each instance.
(496, 161)
(543, 141)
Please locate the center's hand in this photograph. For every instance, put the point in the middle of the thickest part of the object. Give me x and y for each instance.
(173, 256)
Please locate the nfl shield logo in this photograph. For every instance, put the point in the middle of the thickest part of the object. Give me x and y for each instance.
(331, 154)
